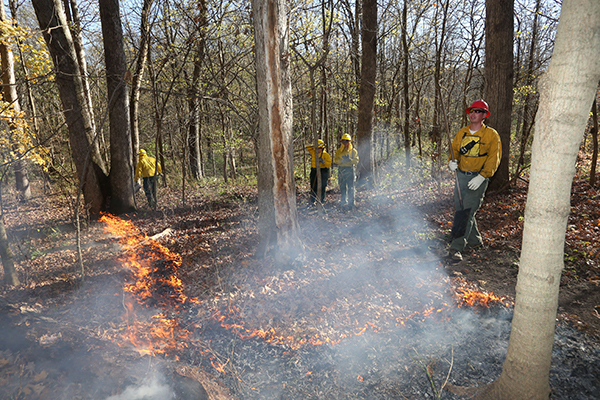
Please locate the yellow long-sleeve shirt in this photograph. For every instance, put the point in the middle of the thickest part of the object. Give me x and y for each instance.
(145, 167)
(326, 163)
(482, 150)
(351, 153)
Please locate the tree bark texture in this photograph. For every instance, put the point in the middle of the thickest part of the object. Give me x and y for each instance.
(53, 23)
(499, 36)
(121, 171)
(72, 12)
(8, 264)
(567, 91)
(278, 219)
(10, 96)
(366, 93)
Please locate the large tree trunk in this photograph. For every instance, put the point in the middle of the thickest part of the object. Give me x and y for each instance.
(136, 82)
(567, 92)
(368, 73)
(11, 97)
(121, 171)
(72, 12)
(278, 218)
(53, 23)
(499, 34)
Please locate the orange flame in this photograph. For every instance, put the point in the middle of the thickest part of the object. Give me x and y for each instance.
(472, 298)
(154, 283)
(152, 267)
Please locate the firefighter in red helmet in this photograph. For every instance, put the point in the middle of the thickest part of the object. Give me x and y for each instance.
(478, 151)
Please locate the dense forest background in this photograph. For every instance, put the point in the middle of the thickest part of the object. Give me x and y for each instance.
(191, 71)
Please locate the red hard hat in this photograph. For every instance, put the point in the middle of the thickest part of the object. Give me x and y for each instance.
(479, 104)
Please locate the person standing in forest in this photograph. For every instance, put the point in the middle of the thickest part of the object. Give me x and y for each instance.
(346, 157)
(148, 169)
(478, 151)
(325, 164)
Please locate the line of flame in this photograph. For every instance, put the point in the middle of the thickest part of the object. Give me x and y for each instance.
(165, 335)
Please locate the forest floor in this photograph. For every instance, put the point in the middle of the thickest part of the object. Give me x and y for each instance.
(373, 269)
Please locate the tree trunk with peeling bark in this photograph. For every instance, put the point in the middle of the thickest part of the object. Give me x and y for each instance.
(278, 218)
(567, 92)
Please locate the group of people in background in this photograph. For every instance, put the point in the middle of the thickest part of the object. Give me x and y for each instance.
(475, 156)
(346, 158)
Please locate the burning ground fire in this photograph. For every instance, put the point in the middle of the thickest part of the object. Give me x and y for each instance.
(153, 283)
(153, 286)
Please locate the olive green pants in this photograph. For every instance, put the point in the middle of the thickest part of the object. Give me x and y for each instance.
(346, 180)
(471, 199)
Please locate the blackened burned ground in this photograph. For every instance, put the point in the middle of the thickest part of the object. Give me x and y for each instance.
(380, 263)
(394, 364)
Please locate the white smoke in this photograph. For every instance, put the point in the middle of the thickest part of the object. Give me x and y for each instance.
(154, 389)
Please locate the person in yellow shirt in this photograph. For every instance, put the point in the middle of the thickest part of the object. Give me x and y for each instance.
(346, 157)
(147, 168)
(325, 163)
(478, 150)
